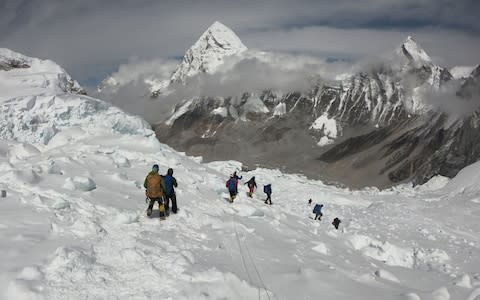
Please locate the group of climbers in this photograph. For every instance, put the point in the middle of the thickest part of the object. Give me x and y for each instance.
(232, 186)
(317, 210)
(161, 189)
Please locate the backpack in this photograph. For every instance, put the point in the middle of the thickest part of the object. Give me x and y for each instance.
(154, 186)
(267, 189)
(231, 184)
(317, 209)
(168, 180)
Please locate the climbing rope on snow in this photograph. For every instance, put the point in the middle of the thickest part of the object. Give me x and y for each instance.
(256, 270)
(243, 256)
(262, 282)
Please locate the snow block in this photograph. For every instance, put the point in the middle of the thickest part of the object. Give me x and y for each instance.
(386, 275)
(80, 183)
(464, 281)
(321, 248)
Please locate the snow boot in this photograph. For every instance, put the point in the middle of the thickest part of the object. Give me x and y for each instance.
(162, 213)
(149, 212)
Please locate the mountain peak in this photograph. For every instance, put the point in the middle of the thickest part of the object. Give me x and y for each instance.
(208, 52)
(218, 25)
(414, 52)
(223, 36)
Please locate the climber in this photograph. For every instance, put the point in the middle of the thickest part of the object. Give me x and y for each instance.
(252, 185)
(232, 186)
(317, 210)
(267, 189)
(336, 222)
(170, 185)
(155, 191)
(236, 176)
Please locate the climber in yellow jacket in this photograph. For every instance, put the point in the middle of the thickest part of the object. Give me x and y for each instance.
(155, 191)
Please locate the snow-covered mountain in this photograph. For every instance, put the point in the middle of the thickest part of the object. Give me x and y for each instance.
(73, 221)
(462, 72)
(291, 127)
(209, 52)
(374, 107)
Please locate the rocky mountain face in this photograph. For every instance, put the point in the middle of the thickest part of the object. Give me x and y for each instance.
(370, 128)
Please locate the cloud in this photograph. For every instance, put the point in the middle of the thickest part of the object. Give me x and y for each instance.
(130, 86)
(449, 101)
(140, 70)
(253, 72)
(92, 38)
(444, 46)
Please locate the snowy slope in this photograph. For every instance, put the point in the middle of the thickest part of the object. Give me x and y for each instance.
(66, 240)
(73, 225)
(462, 72)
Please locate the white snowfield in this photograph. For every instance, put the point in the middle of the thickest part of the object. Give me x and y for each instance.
(73, 224)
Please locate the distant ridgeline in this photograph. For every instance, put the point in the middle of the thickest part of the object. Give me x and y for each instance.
(377, 126)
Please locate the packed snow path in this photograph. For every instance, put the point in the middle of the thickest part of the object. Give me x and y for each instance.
(73, 227)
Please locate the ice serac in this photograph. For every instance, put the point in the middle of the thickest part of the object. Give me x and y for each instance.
(38, 100)
(50, 76)
(216, 43)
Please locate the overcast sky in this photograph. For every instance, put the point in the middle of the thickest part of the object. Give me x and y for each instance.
(92, 38)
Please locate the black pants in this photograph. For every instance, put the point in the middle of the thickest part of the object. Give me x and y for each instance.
(152, 202)
(318, 216)
(269, 199)
(172, 198)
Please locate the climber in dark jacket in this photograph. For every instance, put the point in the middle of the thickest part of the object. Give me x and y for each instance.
(170, 185)
(252, 185)
(267, 189)
(317, 210)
